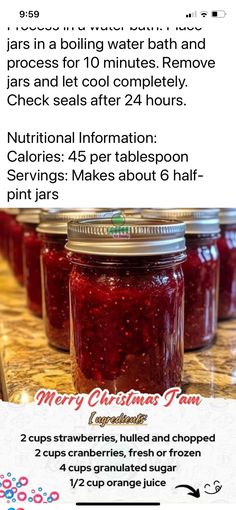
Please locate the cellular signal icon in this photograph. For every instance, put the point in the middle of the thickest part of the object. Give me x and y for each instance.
(191, 14)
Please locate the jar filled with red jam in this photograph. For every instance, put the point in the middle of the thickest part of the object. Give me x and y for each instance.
(126, 297)
(3, 219)
(29, 220)
(227, 249)
(16, 249)
(201, 272)
(55, 269)
(9, 236)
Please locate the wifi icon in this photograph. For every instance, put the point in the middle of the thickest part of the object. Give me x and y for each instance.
(204, 13)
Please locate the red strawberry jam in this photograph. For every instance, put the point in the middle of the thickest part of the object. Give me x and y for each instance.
(227, 249)
(55, 269)
(126, 310)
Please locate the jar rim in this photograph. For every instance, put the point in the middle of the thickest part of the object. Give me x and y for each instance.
(197, 220)
(227, 216)
(135, 237)
(54, 221)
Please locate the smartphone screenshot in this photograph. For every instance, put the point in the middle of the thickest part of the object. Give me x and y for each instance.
(117, 254)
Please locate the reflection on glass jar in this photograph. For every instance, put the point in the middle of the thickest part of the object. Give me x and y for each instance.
(126, 297)
(227, 249)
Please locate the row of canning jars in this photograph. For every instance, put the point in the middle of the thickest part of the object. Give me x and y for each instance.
(127, 277)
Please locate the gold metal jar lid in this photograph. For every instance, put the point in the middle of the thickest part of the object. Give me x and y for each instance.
(133, 237)
(29, 216)
(227, 216)
(197, 221)
(54, 221)
(11, 211)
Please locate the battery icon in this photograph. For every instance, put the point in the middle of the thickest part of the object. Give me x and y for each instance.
(218, 14)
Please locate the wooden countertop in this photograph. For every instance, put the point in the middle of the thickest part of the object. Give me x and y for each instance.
(28, 363)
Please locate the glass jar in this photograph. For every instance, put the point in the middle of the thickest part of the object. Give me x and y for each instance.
(3, 219)
(55, 269)
(126, 296)
(29, 219)
(227, 249)
(201, 272)
(8, 224)
(16, 249)
(55, 278)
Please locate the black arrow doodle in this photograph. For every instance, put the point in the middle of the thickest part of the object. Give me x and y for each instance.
(194, 492)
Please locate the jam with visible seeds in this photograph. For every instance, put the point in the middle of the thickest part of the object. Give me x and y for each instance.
(126, 322)
(32, 273)
(55, 268)
(15, 233)
(227, 249)
(201, 275)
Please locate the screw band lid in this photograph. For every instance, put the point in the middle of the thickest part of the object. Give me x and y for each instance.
(135, 237)
(197, 221)
(54, 221)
